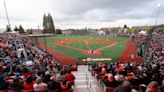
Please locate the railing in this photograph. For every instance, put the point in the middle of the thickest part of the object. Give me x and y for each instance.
(90, 86)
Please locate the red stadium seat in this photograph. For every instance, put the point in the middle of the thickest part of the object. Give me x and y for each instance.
(4, 90)
(109, 89)
(27, 90)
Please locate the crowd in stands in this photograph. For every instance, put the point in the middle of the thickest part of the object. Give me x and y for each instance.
(123, 77)
(43, 74)
(143, 77)
(155, 45)
(139, 39)
(155, 50)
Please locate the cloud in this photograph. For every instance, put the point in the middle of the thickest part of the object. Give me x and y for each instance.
(82, 13)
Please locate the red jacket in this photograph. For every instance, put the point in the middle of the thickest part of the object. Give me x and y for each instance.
(70, 77)
(154, 90)
(28, 86)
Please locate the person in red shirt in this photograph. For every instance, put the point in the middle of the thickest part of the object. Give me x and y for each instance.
(73, 67)
(103, 71)
(152, 87)
(70, 77)
(101, 65)
(28, 85)
(65, 86)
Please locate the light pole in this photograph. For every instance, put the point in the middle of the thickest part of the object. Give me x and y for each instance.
(7, 14)
(158, 11)
(145, 45)
(45, 42)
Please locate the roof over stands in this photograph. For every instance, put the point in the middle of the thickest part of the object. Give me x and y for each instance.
(40, 35)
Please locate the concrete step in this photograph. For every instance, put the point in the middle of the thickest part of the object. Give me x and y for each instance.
(81, 90)
(81, 81)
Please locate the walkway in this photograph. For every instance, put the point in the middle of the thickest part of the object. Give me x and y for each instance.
(81, 80)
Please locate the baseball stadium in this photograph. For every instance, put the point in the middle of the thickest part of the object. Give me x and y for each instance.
(81, 46)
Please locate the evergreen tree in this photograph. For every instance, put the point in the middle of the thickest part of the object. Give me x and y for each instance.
(48, 25)
(58, 31)
(52, 28)
(44, 23)
(21, 30)
(8, 28)
(29, 31)
(16, 28)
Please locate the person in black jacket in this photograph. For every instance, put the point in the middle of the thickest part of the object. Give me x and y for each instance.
(53, 84)
(16, 85)
(110, 81)
(162, 87)
(125, 87)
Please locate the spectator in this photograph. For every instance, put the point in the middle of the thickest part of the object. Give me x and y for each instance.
(65, 86)
(125, 87)
(152, 87)
(39, 86)
(162, 87)
(28, 85)
(110, 81)
(46, 77)
(53, 84)
(16, 85)
(70, 77)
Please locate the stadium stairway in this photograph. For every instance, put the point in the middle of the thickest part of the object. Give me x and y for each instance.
(82, 80)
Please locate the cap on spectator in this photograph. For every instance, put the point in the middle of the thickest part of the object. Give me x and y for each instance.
(17, 74)
(110, 75)
(47, 73)
(52, 78)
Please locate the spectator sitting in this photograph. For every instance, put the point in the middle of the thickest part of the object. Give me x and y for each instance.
(125, 87)
(53, 84)
(16, 85)
(46, 77)
(70, 77)
(101, 65)
(62, 74)
(110, 81)
(65, 86)
(162, 87)
(74, 67)
(39, 86)
(152, 87)
(58, 77)
(28, 85)
(121, 79)
(103, 72)
(3, 83)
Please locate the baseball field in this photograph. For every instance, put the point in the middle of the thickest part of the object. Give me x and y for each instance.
(73, 49)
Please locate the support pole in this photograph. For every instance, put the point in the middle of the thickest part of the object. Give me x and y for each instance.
(7, 15)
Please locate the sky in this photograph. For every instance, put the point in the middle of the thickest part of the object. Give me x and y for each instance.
(82, 13)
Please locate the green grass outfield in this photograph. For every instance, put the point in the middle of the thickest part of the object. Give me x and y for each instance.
(111, 52)
(92, 45)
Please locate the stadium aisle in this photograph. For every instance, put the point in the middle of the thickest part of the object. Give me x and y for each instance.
(81, 80)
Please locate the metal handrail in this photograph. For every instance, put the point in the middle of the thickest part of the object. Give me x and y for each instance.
(89, 83)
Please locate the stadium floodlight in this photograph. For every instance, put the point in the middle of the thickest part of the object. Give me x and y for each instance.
(159, 5)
